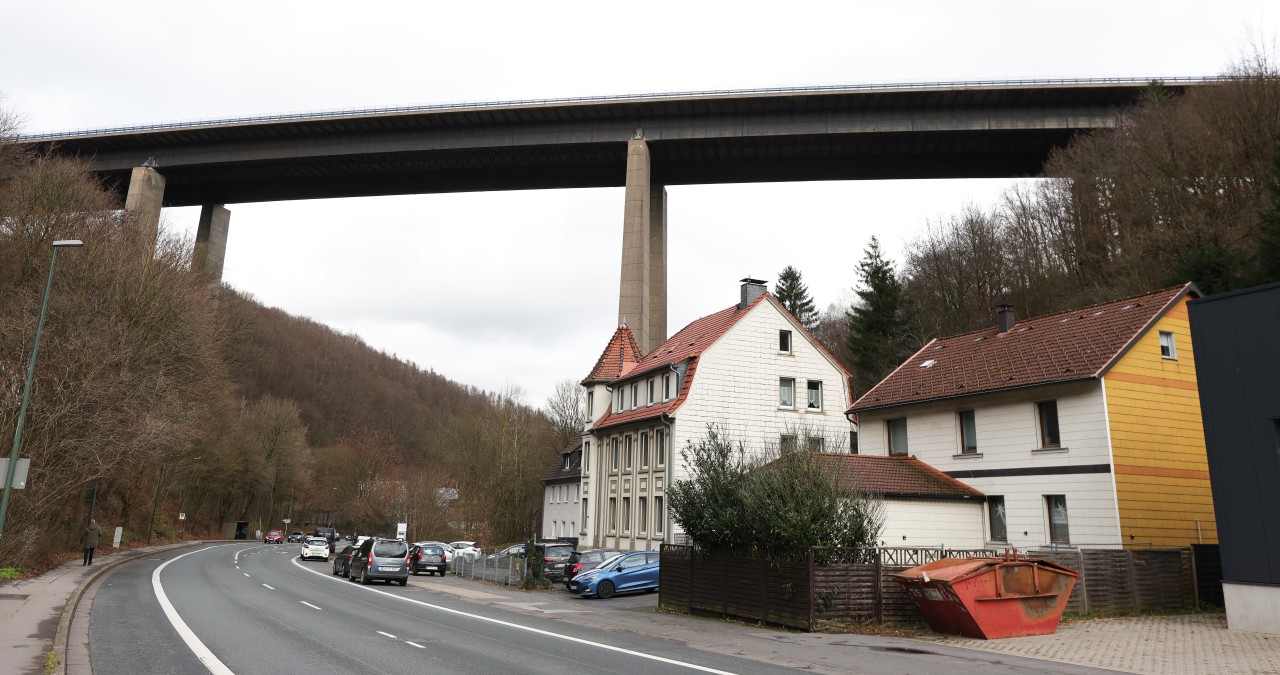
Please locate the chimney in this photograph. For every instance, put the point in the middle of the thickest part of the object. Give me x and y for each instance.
(751, 289)
(1004, 318)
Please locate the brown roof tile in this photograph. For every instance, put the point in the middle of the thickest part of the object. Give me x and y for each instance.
(1074, 345)
(894, 476)
(620, 355)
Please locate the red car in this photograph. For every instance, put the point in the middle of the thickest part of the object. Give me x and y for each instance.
(274, 537)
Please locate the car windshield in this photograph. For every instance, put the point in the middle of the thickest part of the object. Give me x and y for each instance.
(433, 549)
(609, 561)
(317, 542)
(558, 551)
(390, 549)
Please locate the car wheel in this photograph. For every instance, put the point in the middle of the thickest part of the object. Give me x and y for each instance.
(650, 590)
(335, 570)
(364, 578)
(605, 590)
(404, 581)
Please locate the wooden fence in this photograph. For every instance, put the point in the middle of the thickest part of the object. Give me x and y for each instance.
(859, 585)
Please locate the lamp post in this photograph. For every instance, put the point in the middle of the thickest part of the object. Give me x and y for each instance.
(26, 387)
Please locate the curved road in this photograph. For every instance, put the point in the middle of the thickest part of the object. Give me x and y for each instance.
(252, 608)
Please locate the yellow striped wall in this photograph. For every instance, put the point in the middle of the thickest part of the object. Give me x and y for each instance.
(1157, 443)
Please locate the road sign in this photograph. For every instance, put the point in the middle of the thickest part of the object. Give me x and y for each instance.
(19, 474)
(401, 528)
(182, 516)
(286, 521)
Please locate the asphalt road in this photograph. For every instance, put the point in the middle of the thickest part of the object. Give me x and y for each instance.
(253, 608)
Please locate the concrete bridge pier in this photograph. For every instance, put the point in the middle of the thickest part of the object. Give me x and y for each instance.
(211, 241)
(145, 199)
(642, 293)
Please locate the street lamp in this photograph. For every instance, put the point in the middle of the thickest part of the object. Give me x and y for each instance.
(26, 387)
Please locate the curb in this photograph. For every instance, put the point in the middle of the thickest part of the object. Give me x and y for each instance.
(73, 602)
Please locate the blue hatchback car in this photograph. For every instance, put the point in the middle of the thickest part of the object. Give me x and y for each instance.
(625, 573)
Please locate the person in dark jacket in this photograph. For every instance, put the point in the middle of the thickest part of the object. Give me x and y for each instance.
(90, 540)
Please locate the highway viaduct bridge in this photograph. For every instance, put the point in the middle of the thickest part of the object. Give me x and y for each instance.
(644, 142)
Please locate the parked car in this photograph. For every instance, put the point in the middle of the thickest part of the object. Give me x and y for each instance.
(315, 547)
(554, 556)
(296, 537)
(585, 561)
(624, 573)
(427, 556)
(386, 559)
(342, 561)
(512, 551)
(449, 552)
(467, 549)
(274, 537)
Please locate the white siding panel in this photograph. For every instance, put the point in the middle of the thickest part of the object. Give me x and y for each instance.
(933, 522)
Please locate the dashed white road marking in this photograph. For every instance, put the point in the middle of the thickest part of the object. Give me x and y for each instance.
(388, 635)
(530, 629)
(268, 587)
(245, 573)
(310, 605)
(414, 644)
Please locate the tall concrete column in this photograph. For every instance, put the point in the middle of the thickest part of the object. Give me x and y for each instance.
(145, 198)
(633, 292)
(211, 241)
(657, 267)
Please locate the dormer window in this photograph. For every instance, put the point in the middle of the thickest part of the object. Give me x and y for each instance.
(635, 395)
(650, 385)
(784, 341)
(566, 462)
(666, 386)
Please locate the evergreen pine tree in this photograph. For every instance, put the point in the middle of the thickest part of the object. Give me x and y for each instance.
(794, 295)
(879, 322)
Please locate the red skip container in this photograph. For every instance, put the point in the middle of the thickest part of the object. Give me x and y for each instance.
(990, 598)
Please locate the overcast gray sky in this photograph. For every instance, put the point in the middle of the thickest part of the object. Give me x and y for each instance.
(520, 288)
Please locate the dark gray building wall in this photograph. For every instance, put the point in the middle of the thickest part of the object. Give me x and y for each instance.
(1237, 351)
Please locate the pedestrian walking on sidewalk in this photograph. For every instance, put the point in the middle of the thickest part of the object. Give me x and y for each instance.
(90, 540)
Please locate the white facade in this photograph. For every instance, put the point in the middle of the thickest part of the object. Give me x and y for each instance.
(736, 385)
(1009, 462)
(920, 523)
(560, 510)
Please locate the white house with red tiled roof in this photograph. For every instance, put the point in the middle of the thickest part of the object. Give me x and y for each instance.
(751, 369)
(1082, 428)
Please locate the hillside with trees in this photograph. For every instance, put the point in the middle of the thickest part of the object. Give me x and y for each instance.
(153, 387)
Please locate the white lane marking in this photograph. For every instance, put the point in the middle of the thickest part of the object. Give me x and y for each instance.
(508, 624)
(268, 587)
(310, 605)
(414, 644)
(388, 635)
(245, 573)
(193, 643)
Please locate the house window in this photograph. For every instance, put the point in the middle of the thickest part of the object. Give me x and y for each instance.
(566, 461)
(787, 443)
(586, 511)
(642, 515)
(666, 387)
(813, 443)
(628, 452)
(897, 436)
(644, 450)
(995, 516)
(626, 514)
(591, 405)
(586, 456)
(613, 514)
(1048, 417)
(574, 488)
(815, 395)
(660, 446)
(622, 398)
(784, 341)
(658, 515)
(1168, 348)
(635, 395)
(615, 454)
(650, 391)
(968, 433)
(786, 393)
(1057, 506)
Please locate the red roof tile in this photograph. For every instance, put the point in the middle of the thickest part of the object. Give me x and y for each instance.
(1075, 345)
(620, 355)
(894, 476)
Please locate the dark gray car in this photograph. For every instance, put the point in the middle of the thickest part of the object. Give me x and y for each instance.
(386, 559)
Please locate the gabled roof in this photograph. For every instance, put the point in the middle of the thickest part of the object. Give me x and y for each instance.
(556, 473)
(618, 357)
(894, 476)
(1075, 345)
(688, 343)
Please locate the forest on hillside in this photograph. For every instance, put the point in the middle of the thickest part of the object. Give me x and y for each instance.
(1185, 188)
(156, 389)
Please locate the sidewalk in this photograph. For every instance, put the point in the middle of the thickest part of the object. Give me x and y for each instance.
(32, 609)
